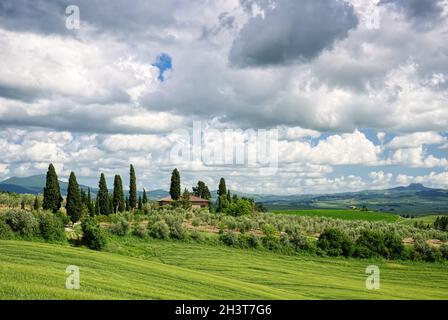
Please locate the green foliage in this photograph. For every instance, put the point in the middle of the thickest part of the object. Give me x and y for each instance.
(202, 191)
(222, 190)
(36, 204)
(145, 197)
(441, 223)
(335, 243)
(140, 231)
(118, 201)
(185, 200)
(51, 228)
(22, 222)
(444, 251)
(132, 188)
(121, 227)
(103, 197)
(229, 238)
(140, 203)
(240, 207)
(6, 232)
(159, 230)
(74, 203)
(65, 219)
(93, 235)
(175, 185)
(174, 223)
(52, 193)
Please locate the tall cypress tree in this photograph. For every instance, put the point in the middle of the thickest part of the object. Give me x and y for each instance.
(175, 185)
(90, 206)
(132, 189)
(118, 199)
(103, 197)
(74, 202)
(127, 204)
(36, 203)
(52, 193)
(140, 203)
(222, 190)
(145, 197)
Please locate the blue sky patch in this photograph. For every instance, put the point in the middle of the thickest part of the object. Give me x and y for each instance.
(163, 63)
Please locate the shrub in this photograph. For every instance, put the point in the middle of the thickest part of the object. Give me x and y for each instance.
(444, 251)
(93, 235)
(51, 228)
(197, 236)
(160, 230)
(298, 241)
(423, 251)
(394, 246)
(335, 242)
(196, 222)
(22, 222)
(253, 241)
(229, 238)
(121, 227)
(140, 231)
(5, 230)
(64, 218)
(370, 243)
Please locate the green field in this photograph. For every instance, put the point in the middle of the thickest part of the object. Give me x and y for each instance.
(343, 214)
(152, 269)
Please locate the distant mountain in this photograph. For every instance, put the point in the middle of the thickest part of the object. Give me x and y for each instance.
(413, 199)
(35, 184)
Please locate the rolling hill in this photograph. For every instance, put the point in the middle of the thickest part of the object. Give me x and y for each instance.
(414, 199)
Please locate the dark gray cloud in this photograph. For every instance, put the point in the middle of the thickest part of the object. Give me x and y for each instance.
(291, 31)
(113, 16)
(225, 22)
(425, 14)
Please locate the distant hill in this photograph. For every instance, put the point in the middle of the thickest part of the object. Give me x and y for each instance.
(414, 199)
(35, 184)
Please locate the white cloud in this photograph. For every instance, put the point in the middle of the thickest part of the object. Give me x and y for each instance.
(414, 140)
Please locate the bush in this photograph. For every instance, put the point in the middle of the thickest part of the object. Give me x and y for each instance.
(93, 235)
(253, 241)
(335, 243)
(197, 236)
(140, 231)
(423, 251)
(394, 246)
(121, 227)
(298, 241)
(51, 228)
(22, 222)
(65, 219)
(160, 230)
(444, 251)
(5, 230)
(229, 238)
(196, 222)
(370, 244)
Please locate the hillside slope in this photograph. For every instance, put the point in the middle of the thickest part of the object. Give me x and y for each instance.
(175, 270)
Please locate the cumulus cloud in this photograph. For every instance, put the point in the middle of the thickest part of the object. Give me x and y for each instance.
(290, 31)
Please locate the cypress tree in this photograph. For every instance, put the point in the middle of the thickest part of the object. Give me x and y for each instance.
(103, 197)
(90, 206)
(96, 208)
(118, 198)
(222, 190)
(202, 191)
(74, 202)
(132, 189)
(145, 197)
(52, 193)
(36, 203)
(229, 197)
(185, 199)
(140, 203)
(127, 204)
(175, 185)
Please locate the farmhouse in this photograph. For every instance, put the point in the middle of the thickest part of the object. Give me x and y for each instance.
(196, 202)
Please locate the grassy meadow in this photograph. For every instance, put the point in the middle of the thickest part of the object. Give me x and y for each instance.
(344, 214)
(133, 268)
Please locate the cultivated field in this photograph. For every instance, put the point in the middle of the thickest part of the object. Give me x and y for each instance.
(156, 269)
(343, 214)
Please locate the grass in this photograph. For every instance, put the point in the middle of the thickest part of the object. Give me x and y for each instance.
(343, 214)
(152, 269)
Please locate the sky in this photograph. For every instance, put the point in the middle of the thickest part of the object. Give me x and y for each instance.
(353, 94)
